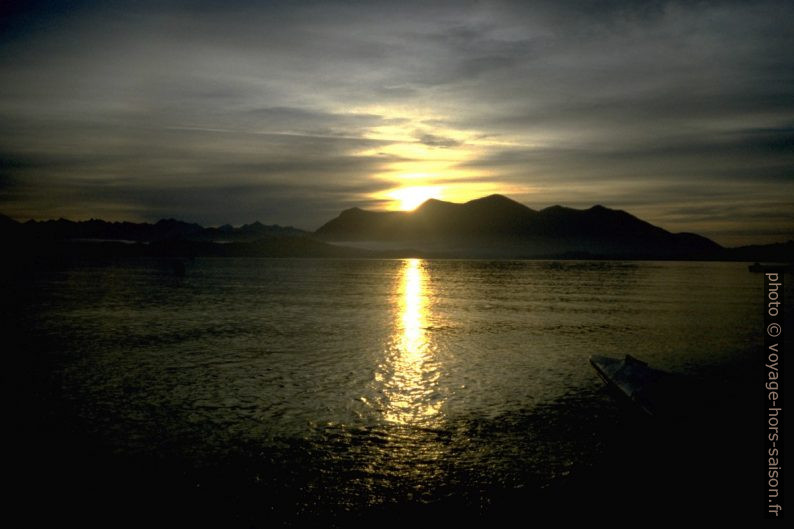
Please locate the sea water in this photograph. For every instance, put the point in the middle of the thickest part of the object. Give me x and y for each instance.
(321, 386)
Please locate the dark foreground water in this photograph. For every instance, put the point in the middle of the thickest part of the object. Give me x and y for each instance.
(333, 392)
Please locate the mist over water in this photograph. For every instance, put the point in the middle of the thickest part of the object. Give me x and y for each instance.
(327, 386)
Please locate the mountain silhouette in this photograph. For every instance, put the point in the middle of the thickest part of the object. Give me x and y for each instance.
(493, 215)
(98, 239)
(162, 230)
(489, 227)
(499, 226)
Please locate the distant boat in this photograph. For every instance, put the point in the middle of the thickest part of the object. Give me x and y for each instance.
(759, 268)
(632, 378)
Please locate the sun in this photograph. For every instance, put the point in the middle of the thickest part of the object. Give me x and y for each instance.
(412, 197)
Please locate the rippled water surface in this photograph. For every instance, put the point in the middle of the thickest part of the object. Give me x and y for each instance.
(353, 383)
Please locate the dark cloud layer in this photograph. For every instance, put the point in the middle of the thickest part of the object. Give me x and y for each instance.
(680, 112)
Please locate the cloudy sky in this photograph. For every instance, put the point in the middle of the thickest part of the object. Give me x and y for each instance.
(681, 113)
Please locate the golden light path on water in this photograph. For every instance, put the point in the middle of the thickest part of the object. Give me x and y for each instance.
(411, 373)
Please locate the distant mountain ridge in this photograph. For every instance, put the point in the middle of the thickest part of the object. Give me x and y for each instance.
(59, 240)
(162, 230)
(497, 225)
(489, 227)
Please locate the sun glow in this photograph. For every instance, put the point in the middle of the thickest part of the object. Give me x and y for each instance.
(422, 157)
(412, 197)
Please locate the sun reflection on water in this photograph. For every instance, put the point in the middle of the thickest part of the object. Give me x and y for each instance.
(410, 373)
(413, 338)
